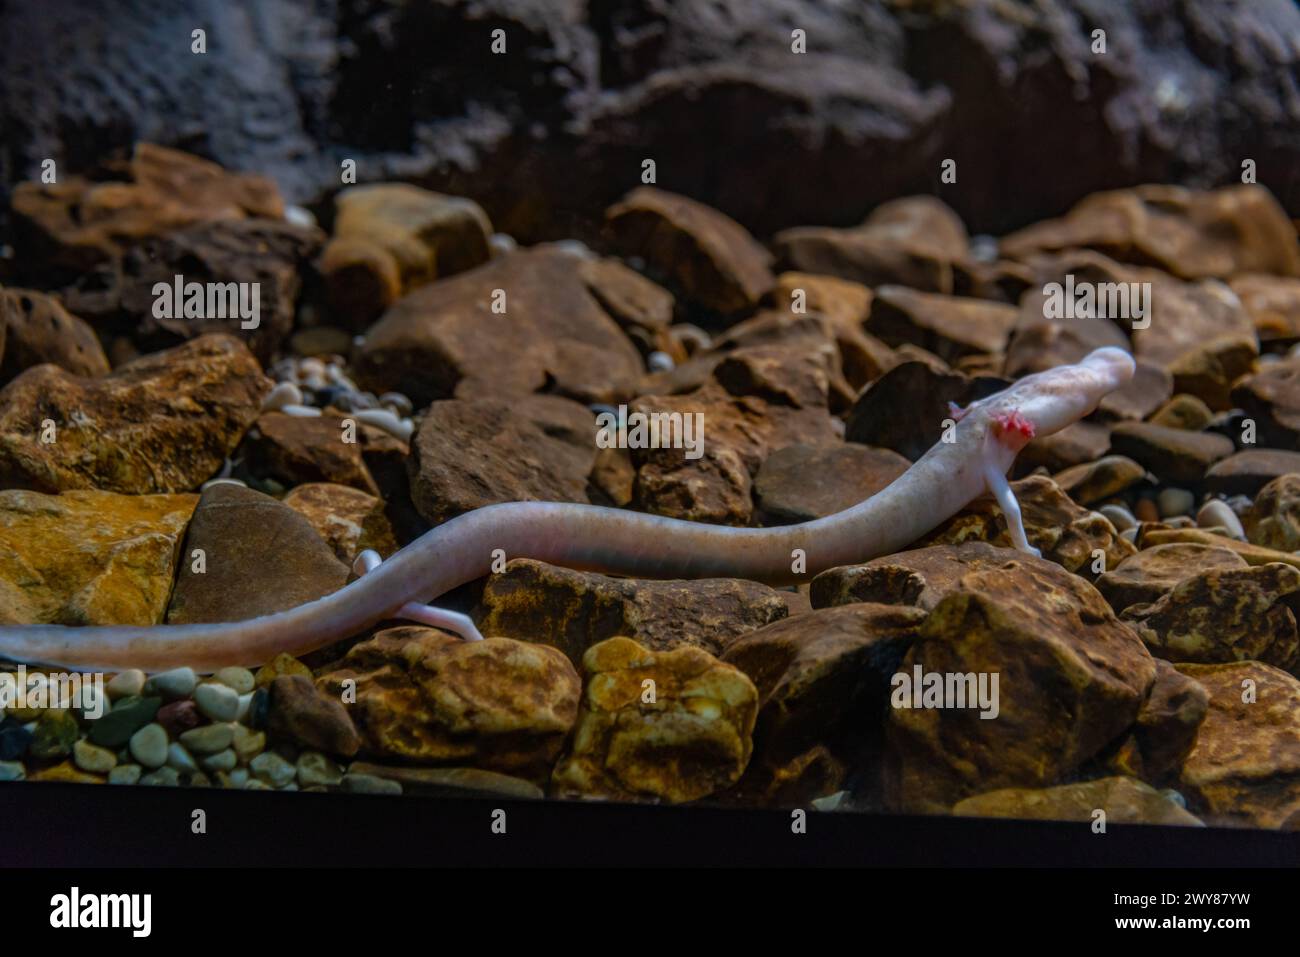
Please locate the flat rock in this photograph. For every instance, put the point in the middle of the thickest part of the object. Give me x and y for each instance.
(348, 519)
(535, 448)
(1188, 233)
(390, 238)
(915, 241)
(1153, 572)
(451, 782)
(1253, 554)
(162, 423)
(37, 329)
(299, 449)
(1245, 766)
(446, 340)
(427, 697)
(1273, 304)
(710, 257)
(904, 410)
(1273, 520)
(1173, 455)
(845, 306)
(690, 739)
(1272, 398)
(1223, 615)
(1142, 395)
(1094, 482)
(573, 610)
(88, 557)
(803, 482)
(949, 326)
(259, 557)
(1038, 344)
(642, 308)
(1076, 444)
(1248, 471)
(1064, 532)
(1124, 800)
(822, 678)
(1072, 678)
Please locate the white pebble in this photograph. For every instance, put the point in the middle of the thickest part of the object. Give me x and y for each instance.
(93, 758)
(1119, 516)
(316, 769)
(286, 393)
(125, 684)
(1129, 535)
(241, 679)
(502, 243)
(390, 423)
(272, 769)
(299, 216)
(660, 362)
(125, 774)
(221, 761)
(180, 759)
(12, 771)
(397, 402)
(301, 411)
(1217, 512)
(177, 683)
(149, 746)
(208, 739)
(311, 366)
(222, 481)
(245, 702)
(217, 702)
(1175, 501)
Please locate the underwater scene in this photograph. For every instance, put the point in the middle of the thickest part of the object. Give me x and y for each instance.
(883, 407)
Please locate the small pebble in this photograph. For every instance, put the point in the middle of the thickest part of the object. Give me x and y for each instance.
(311, 366)
(125, 774)
(12, 771)
(370, 784)
(1181, 521)
(286, 393)
(397, 402)
(55, 734)
(502, 243)
(1119, 516)
(386, 420)
(178, 717)
(221, 761)
(1175, 501)
(222, 481)
(197, 779)
(692, 338)
(248, 744)
(316, 769)
(180, 759)
(128, 716)
(272, 769)
(245, 706)
(1146, 511)
(301, 411)
(1129, 535)
(217, 701)
(255, 785)
(93, 758)
(177, 683)
(299, 215)
(281, 664)
(209, 739)
(149, 746)
(660, 362)
(236, 778)
(1218, 512)
(240, 679)
(14, 739)
(163, 777)
(125, 684)
(364, 400)
(1176, 796)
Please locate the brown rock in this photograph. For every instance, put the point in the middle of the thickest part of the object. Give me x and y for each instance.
(446, 340)
(685, 738)
(270, 254)
(535, 448)
(904, 410)
(573, 610)
(643, 309)
(348, 519)
(802, 482)
(949, 326)
(1223, 615)
(1184, 411)
(452, 782)
(1273, 520)
(1124, 800)
(1248, 471)
(1253, 554)
(297, 449)
(1245, 766)
(301, 714)
(1153, 572)
(281, 664)
(612, 478)
(1191, 234)
(40, 330)
(1039, 344)
(1173, 455)
(1094, 482)
(845, 306)
(76, 224)
(1072, 678)
(163, 423)
(390, 238)
(1272, 398)
(1076, 444)
(915, 241)
(1140, 396)
(88, 557)
(428, 697)
(1167, 723)
(259, 557)
(1064, 532)
(707, 255)
(1273, 304)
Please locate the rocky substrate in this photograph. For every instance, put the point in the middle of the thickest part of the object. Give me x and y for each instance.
(159, 470)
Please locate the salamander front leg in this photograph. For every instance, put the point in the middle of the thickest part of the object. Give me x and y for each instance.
(1012, 431)
(452, 621)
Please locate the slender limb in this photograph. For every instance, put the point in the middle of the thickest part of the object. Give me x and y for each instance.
(452, 621)
(1001, 489)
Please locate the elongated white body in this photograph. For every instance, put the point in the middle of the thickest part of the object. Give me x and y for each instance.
(986, 439)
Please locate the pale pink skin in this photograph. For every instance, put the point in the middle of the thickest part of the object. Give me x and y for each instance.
(987, 436)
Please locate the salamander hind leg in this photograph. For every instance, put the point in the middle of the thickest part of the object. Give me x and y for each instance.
(1008, 434)
(452, 621)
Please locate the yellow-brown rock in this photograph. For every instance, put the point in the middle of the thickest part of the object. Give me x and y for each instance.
(1253, 554)
(1152, 572)
(348, 519)
(428, 697)
(1274, 518)
(88, 557)
(1245, 767)
(1124, 800)
(673, 726)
